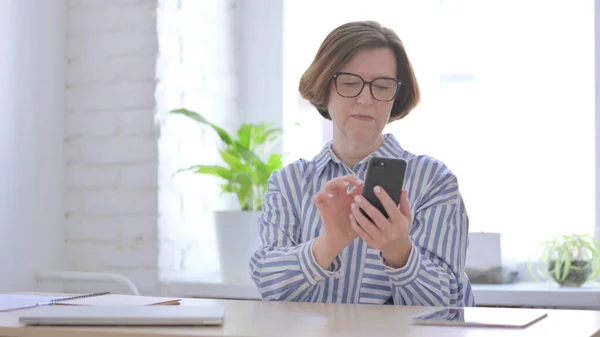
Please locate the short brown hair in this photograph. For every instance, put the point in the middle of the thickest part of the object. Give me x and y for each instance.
(339, 47)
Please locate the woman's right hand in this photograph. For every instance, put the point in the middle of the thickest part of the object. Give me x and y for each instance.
(333, 203)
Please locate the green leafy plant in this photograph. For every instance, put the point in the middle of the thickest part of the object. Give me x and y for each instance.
(247, 171)
(570, 260)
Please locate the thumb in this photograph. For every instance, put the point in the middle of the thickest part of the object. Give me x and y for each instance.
(404, 204)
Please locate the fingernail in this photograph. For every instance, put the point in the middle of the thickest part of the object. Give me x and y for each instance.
(377, 189)
(357, 198)
(353, 205)
(329, 195)
(360, 182)
(346, 183)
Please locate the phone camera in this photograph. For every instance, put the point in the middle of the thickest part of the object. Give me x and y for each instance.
(381, 164)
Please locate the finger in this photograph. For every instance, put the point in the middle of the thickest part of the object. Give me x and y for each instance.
(352, 179)
(361, 232)
(363, 222)
(322, 197)
(378, 219)
(405, 204)
(339, 184)
(335, 187)
(358, 190)
(390, 206)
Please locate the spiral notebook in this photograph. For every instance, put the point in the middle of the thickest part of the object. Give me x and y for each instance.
(10, 302)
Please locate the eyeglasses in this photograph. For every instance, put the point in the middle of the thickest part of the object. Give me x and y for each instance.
(351, 85)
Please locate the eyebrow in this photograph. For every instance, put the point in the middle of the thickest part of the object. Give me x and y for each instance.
(367, 78)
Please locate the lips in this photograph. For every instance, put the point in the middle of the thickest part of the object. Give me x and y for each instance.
(363, 117)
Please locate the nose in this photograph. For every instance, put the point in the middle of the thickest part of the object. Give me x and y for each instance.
(365, 97)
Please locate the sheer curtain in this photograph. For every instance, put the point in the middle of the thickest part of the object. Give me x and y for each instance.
(508, 103)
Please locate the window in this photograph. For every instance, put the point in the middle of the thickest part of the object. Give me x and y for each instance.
(508, 103)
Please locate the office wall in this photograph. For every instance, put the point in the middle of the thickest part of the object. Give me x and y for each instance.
(110, 140)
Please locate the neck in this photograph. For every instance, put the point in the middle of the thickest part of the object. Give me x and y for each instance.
(351, 152)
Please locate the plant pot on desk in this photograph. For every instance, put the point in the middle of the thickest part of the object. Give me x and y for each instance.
(237, 239)
(578, 273)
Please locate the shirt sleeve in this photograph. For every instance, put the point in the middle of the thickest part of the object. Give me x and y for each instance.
(434, 274)
(284, 268)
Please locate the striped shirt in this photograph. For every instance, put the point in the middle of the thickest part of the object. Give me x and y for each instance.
(284, 268)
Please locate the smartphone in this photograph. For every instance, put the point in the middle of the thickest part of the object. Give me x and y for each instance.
(388, 173)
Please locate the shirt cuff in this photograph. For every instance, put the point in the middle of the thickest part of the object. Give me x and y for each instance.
(408, 273)
(311, 269)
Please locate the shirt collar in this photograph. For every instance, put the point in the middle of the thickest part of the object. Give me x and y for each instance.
(390, 148)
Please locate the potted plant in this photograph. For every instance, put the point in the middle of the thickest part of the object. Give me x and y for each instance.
(570, 260)
(245, 172)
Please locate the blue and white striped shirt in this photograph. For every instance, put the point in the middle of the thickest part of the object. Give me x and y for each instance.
(285, 269)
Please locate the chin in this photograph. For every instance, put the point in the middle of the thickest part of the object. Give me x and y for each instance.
(363, 134)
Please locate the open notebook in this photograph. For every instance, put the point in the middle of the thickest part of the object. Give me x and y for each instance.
(9, 302)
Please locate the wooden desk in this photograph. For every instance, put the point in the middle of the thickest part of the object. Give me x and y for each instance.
(526, 294)
(253, 318)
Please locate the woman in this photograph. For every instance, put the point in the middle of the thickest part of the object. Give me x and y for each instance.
(317, 246)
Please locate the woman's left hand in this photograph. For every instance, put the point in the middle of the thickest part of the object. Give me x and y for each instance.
(389, 235)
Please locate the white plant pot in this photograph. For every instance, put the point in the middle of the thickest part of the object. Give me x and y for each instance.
(237, 239)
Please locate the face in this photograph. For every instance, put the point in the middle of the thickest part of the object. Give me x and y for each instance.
(363, 117)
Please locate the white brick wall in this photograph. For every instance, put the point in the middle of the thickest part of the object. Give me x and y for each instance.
(110, 139)
(116, 159)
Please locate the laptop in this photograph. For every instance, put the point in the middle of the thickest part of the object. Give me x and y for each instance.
(158, 315)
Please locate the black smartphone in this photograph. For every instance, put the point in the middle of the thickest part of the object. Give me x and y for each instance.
(388, 173)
